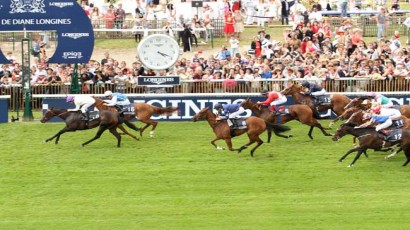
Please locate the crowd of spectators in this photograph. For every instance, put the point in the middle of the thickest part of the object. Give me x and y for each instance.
(309, 50)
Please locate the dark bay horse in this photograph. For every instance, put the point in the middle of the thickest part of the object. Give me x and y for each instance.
(74, 122)
(256, 126)
(143, 112)
(337, 101)
(369, 138)
(301, 113)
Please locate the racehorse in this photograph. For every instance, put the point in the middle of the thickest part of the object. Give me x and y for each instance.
(302, 113)
(143, 112)
(74, 122)
(337, 101)
(369, 138)
(255, 126)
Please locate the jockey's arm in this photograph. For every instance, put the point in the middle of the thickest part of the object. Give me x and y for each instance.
(111, 102)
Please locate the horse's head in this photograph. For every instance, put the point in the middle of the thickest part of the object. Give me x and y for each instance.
(99, 103)
(358, 117)
(48, 115)
(343, 130)
(203, 114)
(248, 104)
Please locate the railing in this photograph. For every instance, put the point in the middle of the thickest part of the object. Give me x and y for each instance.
(214, 86)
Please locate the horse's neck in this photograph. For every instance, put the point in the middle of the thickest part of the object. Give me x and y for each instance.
(212, 120)
(63, 113)
(256, 111)
(362, 131)
(99, 104)
(300, 98)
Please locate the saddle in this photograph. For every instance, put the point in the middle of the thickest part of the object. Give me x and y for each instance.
(391, 135)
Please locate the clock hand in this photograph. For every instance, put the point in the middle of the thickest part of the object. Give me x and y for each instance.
(163, 54)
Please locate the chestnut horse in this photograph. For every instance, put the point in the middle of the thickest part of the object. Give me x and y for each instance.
(143, 112)
(255, 125)
(337, 101)
(74, 122)
(302, 113)
(370, 139)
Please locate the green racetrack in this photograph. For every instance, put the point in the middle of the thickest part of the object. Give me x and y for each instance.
(177, 180)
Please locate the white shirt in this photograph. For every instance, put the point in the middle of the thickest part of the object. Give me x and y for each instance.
(80, 100)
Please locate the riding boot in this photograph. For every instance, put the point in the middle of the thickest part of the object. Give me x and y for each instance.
(233, 126)
(316, 113)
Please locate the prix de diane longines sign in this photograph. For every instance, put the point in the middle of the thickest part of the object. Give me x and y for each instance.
(66, 17)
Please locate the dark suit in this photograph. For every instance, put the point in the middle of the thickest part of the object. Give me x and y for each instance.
(285, 12)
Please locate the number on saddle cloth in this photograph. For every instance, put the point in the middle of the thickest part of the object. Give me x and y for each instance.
(397, 124)
(322, 100)
(93, 115)
(128, 109)
(394, 135)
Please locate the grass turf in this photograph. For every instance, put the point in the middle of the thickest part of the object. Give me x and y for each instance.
(177, 180)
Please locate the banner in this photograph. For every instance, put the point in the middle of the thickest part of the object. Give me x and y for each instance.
(66, 17)
(154, 81)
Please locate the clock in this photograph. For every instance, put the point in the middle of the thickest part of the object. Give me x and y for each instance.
(158, 51)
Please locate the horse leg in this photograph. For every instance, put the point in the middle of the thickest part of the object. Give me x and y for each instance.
(394, 153)
(57, 135)
(348, 152)
(216, 146)
(319, 126)
(117, 135)
(143, 128)
(154, 125)
(259, 143)
(359, 152)
(98, 135)
(131, 125)
(228, 142)
(310, 132)
(126, 132)
(269, 131)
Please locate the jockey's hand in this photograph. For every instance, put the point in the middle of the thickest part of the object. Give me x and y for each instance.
(258, 102)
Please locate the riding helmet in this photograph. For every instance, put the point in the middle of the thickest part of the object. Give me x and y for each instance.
(218, 106)
(107, 93)
(306, 84)
(264, 91)
(70, 98)
(372, 94)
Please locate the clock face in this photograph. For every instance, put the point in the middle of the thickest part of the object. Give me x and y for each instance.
(158, 51)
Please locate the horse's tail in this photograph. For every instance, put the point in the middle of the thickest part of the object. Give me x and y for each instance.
(165, 110)
(277, 127)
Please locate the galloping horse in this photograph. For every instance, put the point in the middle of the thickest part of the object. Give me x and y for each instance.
(337, 101)
(255, 125)
(302, 113)
(143, 112)
(369, 138)
(74, 122)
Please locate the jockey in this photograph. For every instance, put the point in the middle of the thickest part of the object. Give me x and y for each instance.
(118, 100)
(315, 91)
(82, 103)
(229, 111)
(383, 117)
(273, 99)
(382, 100)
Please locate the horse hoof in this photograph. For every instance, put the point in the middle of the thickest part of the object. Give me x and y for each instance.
(350, 166)
(290, 136)
(81, 145)
(45, 141)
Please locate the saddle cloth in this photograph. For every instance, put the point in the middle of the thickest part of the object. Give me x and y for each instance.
(239, 123)
(322, 100)
(392, 135)
(128, 109)
(92, 115)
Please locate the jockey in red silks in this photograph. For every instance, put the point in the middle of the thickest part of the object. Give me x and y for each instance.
(273, 99)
